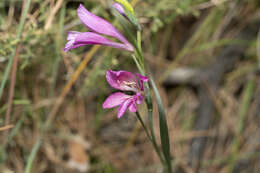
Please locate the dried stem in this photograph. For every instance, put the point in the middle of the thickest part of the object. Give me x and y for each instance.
(11, 91)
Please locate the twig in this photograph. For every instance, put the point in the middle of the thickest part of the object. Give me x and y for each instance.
(56, 106)
(14, 62)
(11, 91)
(10, 14)
(258, 48)
(52, 14)
(6, 127)
(26, 5)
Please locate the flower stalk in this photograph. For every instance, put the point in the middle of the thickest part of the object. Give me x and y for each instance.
(123, 80)
(165, 143)
(138, 57)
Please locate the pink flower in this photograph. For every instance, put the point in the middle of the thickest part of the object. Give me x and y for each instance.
(98, 27)
(125, 81)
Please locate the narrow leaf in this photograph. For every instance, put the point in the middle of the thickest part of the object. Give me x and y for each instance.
(165, 141)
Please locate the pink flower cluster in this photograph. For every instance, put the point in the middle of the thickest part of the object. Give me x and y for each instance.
(121, 80)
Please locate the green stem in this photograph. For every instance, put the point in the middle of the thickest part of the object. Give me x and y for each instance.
(246, 100)
(149, 105)
(142, 123)
(139, 49)
(18, 37)
(140, 68)
(165, 142)
(33, 153)
(139, 40)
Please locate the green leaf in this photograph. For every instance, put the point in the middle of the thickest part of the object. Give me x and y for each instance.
(149, 104)
(18, 38)
(165, 141)
(127, 28)
(133, 19)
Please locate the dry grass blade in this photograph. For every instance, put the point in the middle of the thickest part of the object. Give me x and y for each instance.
(6, 127)
(11, 91)
(52, 14)
(258, 48)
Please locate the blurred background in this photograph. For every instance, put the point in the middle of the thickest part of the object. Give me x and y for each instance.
(204, 56)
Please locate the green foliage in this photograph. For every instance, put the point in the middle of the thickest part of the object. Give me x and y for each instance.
(165, 11)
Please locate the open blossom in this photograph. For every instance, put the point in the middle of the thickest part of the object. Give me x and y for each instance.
(98, 27)
(125, 81)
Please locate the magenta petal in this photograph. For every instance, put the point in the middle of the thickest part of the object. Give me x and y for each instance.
(122, 80)
(77, 39)
(119, 8)
(71, 40)
(100, 25)
(115, 99)
(138, 98)
(142, 79)
(122, 109)
(133, 107)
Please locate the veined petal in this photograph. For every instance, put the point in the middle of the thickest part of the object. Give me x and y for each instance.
(100, 25)
(77, 39)
(142, 79)
(115, 99)
(122, 80)
(122, 109)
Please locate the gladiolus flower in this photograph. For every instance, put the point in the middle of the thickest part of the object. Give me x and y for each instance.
(97, 26)
(125, 81)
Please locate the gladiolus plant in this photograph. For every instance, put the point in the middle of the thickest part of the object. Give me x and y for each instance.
(123, 80)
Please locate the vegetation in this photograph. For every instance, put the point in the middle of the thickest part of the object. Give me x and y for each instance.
(204, 56)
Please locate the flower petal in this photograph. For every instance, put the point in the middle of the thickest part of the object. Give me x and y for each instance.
(132, 107)
(142, 79)
(100, 25)
(138, 98)
(119, 8)
(115, 99)
(122, 109)
(122, 80)
(77, 39)
(127, 5)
